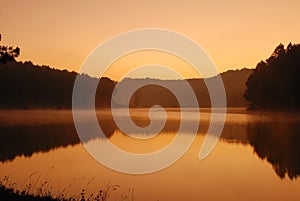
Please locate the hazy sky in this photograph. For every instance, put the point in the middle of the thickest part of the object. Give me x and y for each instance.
(235, 33)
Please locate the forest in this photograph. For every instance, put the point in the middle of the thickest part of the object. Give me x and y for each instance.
(274, 83)
(24, 85)
(27, 86)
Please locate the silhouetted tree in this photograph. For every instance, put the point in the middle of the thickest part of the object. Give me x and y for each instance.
(274, 83)
(8, 53)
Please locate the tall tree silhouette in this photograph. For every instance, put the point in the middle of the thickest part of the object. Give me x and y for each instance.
(274, 83)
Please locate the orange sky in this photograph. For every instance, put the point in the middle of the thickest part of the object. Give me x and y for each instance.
(235, 33)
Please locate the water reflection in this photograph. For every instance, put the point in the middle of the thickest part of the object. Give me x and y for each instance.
(35, 135)
(24, 140)
(276, 140)
(279, 144)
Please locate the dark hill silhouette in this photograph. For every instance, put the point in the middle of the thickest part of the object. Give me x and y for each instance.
(28, 86)
(147, 96)
(274, 84)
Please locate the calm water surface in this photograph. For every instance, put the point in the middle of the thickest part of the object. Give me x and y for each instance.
(257, 158)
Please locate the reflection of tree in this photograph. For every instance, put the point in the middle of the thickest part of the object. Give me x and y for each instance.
(279, 144)
(25, 140)
(276, 141)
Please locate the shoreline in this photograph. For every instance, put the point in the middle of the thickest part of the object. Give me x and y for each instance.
(53, 116)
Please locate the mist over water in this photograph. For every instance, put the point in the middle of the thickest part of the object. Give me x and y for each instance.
(256, 158)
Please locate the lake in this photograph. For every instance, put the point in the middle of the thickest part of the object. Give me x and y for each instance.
(257, 157)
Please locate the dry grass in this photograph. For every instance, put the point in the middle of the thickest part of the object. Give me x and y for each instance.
(43, 191)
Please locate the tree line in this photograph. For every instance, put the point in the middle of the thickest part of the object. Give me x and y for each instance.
(274, 83)
(24, 85)
(27, 86)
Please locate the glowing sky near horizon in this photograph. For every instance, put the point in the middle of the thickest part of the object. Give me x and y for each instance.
(236, 34)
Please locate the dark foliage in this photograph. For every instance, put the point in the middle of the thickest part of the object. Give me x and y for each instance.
(8, 54)
(28, 86)
(11, 194)
(274, 83)
(44, 193)
(149, 95)
(24, 86)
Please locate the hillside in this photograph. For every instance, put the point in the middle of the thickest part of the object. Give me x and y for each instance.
(234, 83)
(28, 86)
